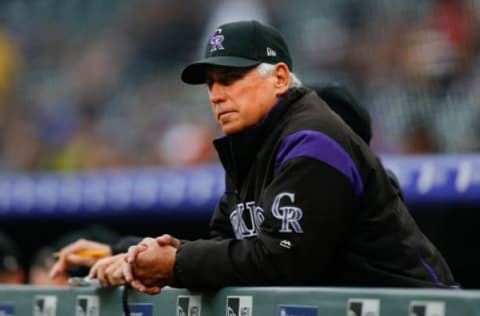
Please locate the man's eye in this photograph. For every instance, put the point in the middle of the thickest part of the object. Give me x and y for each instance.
(227, 77)
(226, 80)
(230, 77)
(209, 81)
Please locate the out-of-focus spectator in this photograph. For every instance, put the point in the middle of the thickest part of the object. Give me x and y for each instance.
(439, 48)
(40, 265)
(418, 139)
(97, 232)
(455, 20)
(44, 258)
(89, 84)
(431, 86)
(11, 268)
(9, 64)
(86, 149)
(163, 32)
(21, 146)
(186, 144)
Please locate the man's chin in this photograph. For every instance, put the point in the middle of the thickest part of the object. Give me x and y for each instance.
(229, 129)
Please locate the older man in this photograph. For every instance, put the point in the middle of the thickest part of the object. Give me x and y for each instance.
(306, 201)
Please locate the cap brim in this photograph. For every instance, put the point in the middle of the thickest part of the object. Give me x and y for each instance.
(195, 72)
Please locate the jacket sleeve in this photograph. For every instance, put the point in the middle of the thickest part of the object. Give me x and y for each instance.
(220, 226)
(305, 220)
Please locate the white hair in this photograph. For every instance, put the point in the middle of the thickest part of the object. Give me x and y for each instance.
(265, 69)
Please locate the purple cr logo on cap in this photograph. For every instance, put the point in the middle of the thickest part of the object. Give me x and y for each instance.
(216, 41)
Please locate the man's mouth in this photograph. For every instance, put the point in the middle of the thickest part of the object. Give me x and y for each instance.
(223, 113)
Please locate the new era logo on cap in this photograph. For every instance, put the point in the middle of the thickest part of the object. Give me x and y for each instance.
(240, 44)
(271, 52)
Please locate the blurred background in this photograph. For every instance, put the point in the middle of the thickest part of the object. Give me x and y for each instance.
(93, 85)
(75, 75)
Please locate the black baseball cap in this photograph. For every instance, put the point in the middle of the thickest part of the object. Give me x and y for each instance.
(240, 44)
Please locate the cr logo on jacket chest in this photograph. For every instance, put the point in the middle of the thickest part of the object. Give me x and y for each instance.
(248, 224)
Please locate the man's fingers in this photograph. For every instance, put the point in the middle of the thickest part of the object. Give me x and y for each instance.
(118, 278)
(166, 240)
(70, 255)
(114, 276)
(74, 259)
(163, 240)
(57, 268)
(133, 252)
(103, 278)
(109, 271)
(92, 274)
(68, 260)
(73, 247)
(137, 285)
(99, 271)
(145, 289)
(128, 272)
(100, 274)
(152, 290)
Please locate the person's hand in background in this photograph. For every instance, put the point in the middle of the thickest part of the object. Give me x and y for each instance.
(82, 253)
(109, 270)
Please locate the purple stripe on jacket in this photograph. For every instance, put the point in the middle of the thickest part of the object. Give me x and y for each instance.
(317, 145)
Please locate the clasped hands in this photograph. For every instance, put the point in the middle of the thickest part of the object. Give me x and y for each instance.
(147, 266)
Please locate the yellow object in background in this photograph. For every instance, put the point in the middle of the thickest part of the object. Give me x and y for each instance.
(87, 253)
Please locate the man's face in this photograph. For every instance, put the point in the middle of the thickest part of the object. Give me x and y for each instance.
(240, 97)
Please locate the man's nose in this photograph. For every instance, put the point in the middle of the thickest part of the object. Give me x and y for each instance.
(217, 93)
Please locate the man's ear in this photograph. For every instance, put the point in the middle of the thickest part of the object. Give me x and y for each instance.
(282, 78)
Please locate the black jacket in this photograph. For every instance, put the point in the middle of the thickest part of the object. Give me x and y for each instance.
(308, 203)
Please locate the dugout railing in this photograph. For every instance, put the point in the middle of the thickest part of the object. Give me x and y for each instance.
(239, 301)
